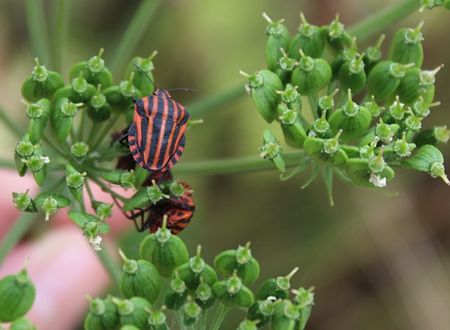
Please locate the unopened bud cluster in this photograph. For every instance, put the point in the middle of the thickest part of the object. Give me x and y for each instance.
(194, 287)
(351, 110)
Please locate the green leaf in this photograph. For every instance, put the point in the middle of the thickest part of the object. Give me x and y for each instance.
(81, 218)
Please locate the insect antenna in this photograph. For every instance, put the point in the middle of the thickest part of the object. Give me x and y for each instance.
(145, 73)
(182, 89)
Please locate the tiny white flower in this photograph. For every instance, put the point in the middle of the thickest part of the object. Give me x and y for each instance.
(45, 159)
(312, 133)
(271, 298)
(377, 181)
(96, 242)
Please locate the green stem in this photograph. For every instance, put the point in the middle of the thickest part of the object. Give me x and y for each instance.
(10, 124)
(61, 16)
(236, 165)
(34, 16)
(221, 312)
(217, 100)
(133, 34)
(20, 227)
(108, 262)
(105, 188)
(384, 18)
(106, 128)
(82, 125)
(313, 104)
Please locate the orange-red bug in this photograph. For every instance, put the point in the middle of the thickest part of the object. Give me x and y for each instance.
(156, 138)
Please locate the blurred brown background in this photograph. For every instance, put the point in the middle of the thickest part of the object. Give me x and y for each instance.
(376, 261)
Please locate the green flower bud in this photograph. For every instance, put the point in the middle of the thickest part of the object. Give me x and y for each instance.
(75, 181)
(277, 37)
(294, 134)
(428, 159)
(422, 108)
(248, 325)
(103, 315)
(133, 311)
(23, 202)
(321, 125)
(438, 134)
(196, 269)
(41, 84)
(177, 294)
(17, 295)
(122, 97)
(145, 197)
(291, 97)
(352, 75)
(51, 202)
(372, 55)
(309, 39)
(276, 287)
(304, 299)
(93, 70)
(164, 250)
(377, 164)
(79, 150)
(261, 311)
(337, 38)
(139, 279)
(397, 110)
(284, 316)
(98, 107)
(385, 78)
(24, 149)
(143, 78)
(204, 295)
(38, 165)
(326, 150)
(360, 174)
(272, 151)
(38, 113)
(351, 118)
(386, 132)
(406, 46)
(239, 260)
(402, 148)
(286, 65)
(191, 313)
(367, 152)
(374, 109)
(311, 75)
(176, 189)
(126, 179)
(158, 320)
(22, 324)
(263, 86)
(327, 102)
(413, 122)
(61, 117)
(233, 293)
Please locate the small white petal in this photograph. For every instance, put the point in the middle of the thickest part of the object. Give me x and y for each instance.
(96, 242)
(377, 181)
(46, 160)
(271, 298)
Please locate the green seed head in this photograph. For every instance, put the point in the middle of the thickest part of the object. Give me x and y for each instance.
(234, 285)
(36, 163)
(96, 63)
(274, 29)
(286, 63)
(124, 307)
(176, 189)
(307, 63)
(397, 110)
(75, 179)
(155, 194)
(256, 80)
(442, 133)
(157, 318)
(350, 108)
(331, 146)
(97, 306)
(414, 36)
(303, 297)
(357, 64)
(98, 100)
(437, 170)
(270, 150)
(49, 206)
(321, 124)
(34, 110)
(68, 108)
(196, 263)
(25, 148)
(398, 70)
(39, 72)
(384, 132)
(377, 164)
(402, 148)
(248, 325)
(243, 254)
(374, 109)
(192, 310)
(127, 88)
(22, 201)
(130, 266)
(336, 29)
(290, 94)
(177, 285)
(163, 234)
(413, 122)
(79, 149)
(104, 211)
(127, 179)
(428, 77)
(79, 85)
(203, 292)
(287, 116)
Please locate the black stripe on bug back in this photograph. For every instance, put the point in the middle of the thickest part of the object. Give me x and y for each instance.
(140, 108)
(157, 122)
(174, 147)
(168, 129)
(143, 123)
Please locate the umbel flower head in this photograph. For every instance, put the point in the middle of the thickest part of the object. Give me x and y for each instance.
(355, 114)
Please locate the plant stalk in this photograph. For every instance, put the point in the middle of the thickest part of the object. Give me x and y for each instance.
(15, 233)
(35, 19)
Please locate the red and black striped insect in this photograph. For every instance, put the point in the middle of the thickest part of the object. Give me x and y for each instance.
(156, 138)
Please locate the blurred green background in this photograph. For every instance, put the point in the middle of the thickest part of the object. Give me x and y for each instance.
(376, 261)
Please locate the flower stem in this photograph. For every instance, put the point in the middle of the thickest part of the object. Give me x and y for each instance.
(20, 227)
(219, 316)
(217, 100)
(236, 165)
(134, 33)
(61, 24)
(34, 16)
(6, 163)
(10, 124)
(110, 265)
(379, 21)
